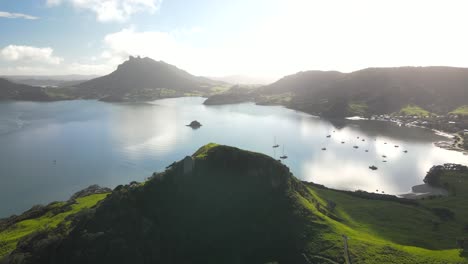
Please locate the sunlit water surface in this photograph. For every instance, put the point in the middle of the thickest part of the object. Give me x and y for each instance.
(50, 150)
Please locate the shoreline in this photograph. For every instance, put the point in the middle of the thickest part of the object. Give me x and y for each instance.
(449, 144)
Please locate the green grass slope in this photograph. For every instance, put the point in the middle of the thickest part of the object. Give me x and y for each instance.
(357, 108)
(55, 214)
(414, 110)
(226, 205)
(462, 110)
(383, 231)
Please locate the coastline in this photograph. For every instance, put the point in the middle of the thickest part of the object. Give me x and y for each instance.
(449, 144)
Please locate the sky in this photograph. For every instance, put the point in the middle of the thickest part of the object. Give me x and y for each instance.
(261, 38)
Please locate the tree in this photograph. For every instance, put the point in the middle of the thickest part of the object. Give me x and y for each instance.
(433, 175)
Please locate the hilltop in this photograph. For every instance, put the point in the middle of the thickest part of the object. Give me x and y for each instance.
(226, 205)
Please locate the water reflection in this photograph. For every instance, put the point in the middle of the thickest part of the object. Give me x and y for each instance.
(109, 144)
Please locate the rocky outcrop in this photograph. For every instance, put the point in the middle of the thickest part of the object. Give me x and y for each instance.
(195, 124)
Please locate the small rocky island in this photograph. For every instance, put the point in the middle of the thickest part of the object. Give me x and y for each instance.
(195, 124)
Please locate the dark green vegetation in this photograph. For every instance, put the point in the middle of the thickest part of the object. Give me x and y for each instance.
(14, 91)
(46, 218)
(370, 91)
(225, 205)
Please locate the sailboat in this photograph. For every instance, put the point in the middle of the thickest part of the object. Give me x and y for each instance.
(275, 145)
(284, 155)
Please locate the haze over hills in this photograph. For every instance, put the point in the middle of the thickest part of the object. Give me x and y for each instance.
(14, 91)
(369, 91)
(144, 79)
(438, 90)
(50, 81)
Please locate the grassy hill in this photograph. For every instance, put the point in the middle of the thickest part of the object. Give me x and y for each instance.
(38, 219)
(414, 110)
(462, 110)
(226, 205)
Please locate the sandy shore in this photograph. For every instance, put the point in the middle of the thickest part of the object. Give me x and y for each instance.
(424, 190)
(452, 145)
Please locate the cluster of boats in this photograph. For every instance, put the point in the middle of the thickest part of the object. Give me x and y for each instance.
(284, 156)
(363, 140)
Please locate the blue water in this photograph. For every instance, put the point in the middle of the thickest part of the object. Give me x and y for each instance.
(48, 151)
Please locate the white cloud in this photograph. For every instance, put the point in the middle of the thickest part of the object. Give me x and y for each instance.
(16, 15)
(313, 35)
(294, 35)
(16, 53)
(112, 10)
(168, 47)
(159, 45)
(53, 2)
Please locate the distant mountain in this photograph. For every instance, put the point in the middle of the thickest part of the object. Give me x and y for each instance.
(369, 91)
(144, 79)
(14, 91)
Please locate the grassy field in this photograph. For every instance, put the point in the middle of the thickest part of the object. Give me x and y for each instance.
(10, 236)
(277, 99)
(219, 89)
(382, 231)
(414, 110)
(357, 108)
(462, 110)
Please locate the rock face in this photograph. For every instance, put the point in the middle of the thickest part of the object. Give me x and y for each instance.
(195, 124)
